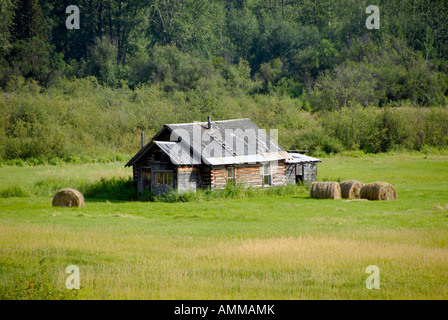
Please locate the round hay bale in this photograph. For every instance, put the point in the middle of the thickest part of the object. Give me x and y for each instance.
(378, 191)
(325, 190)
(68, 198)
(351, 189)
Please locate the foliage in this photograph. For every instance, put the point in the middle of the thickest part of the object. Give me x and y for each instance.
(298, 41)
(374, 130)
(306, 68)
(32, 59)
(123, 189)
(80, 121)
(381, 74)
(231, 191)
(112, 189)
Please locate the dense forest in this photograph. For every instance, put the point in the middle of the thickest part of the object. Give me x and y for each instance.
(309, 68)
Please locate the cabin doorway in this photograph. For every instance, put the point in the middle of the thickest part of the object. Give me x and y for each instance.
(299, 173)
(146, 173)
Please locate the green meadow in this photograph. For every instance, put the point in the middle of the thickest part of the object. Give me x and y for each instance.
(273, 246)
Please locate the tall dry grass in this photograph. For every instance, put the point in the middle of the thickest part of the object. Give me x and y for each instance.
(118, 265)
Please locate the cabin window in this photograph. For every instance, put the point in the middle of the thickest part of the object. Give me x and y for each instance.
(163, 178)
(267, 174)
(231, 174)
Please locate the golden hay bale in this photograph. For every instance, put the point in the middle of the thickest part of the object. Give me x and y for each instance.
(68, 198)
(378, 191)
(351, 189)
(325, 190)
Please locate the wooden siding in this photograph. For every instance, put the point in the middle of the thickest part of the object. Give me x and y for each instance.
(135, 170)
(250, 175)
(200, 177)
(188, 178)
(278, 171)
(205, 172)
(218, 177)
(305, 172)
(309, 172)
(291, 173)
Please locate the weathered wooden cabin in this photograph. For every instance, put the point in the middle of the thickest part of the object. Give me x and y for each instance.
(199, 155)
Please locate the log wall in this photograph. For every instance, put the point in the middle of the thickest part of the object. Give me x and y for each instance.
(188, 178)
(250, 175)
(278, 169)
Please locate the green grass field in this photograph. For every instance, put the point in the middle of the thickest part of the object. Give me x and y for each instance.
(279, 247)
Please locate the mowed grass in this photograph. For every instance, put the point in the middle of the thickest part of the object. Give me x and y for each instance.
(288, 247)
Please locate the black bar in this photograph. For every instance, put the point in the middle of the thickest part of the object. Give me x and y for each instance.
(222, 309)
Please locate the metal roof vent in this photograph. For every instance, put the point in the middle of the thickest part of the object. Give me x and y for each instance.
(209, 122)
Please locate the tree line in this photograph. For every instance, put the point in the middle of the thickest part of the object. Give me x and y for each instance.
(315, 47)
(270, 60)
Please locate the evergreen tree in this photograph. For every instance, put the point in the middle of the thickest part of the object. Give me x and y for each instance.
(28, 21)
(6, 14)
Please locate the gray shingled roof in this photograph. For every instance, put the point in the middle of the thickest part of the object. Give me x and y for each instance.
(178, 152)
(244, 143)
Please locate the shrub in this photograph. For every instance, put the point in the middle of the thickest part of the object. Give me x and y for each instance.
(49, 186)
(19, 163)
(73, 160)
(231, 191)
(111, 189)
(56, 161)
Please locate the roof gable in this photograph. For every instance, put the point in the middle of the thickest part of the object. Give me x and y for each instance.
(147, 147)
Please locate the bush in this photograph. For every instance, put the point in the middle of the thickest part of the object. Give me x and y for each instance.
(55, 161)
(48, 187)
(231, 191)
(386, 73)
(317, 141)
(80, 121)
(111, 189)
(35, 59)
(353, 154)
(374, 130)
(73, 160)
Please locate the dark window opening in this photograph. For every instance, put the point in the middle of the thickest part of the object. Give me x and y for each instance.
(163, 178)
